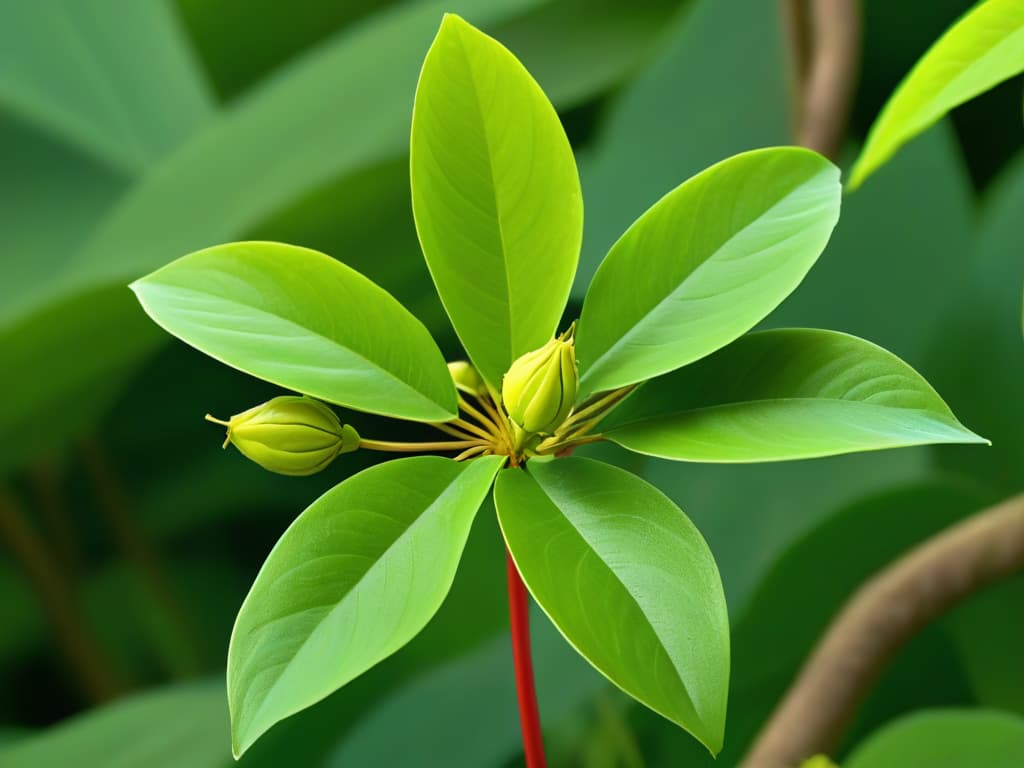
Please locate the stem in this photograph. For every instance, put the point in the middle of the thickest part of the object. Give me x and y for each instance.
(453, 431)
(92, 668)
(824, 40)
(878, 620)
(519, 619)
(488, 424)
(136, 547)
(451, 445)
(596, 409)
(573, 443)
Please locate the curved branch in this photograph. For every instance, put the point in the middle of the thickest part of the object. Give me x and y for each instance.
(880, 618)
(825, 43)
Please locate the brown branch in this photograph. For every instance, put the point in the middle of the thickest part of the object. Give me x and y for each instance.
(824, 42)
(135, 545)
(95, 673)
(880, 618)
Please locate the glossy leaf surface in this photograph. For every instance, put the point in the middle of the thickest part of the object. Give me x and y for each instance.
(628, 580)
(786, 394)
(352, 580)
(496, 196)
(981, 50)
(166, 728)
(944, 739)
(705, 264)
(304, 321)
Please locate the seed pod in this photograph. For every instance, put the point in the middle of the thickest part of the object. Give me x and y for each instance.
(466, 378)
(290, 435)
(540, 387)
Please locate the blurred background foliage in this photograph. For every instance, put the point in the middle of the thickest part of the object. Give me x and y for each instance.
(134, 132)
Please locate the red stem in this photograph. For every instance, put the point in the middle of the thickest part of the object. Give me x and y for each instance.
(519, 617)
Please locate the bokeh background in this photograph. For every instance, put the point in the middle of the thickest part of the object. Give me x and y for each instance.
(134, 132)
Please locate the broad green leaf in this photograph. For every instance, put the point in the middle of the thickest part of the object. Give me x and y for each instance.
(304, 321)
(164, 728)
(352, 580)
(705, 264)
(981, 50)
(786, 394)
(980, 331)
(495, 195)
(126, 98)
(952, 738)
(628, 580)
(211, 191)
(647, 143)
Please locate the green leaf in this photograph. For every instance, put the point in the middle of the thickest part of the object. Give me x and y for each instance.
(351, 581)
(124, 98)
(304, 321)
(949, 738)
(786, 394)
(628, 580)
(165, 728)
(705, 264)
(496, 196)
(981, 50)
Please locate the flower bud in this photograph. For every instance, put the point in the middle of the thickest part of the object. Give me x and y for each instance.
(540, 387)
(290, 435)
(466, 378)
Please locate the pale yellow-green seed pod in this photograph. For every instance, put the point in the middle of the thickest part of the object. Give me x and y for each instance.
(466, 378)
(540, 387)
(290, 435)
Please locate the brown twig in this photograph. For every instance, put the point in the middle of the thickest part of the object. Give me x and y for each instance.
(96, 675)
(135, 545)
(879, 619)
(824, 42)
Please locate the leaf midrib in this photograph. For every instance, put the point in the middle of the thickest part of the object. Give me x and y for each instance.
(173, 288)
(639, 607)
(402, 536)
(946, 417)
(596, 365)
(494, 195)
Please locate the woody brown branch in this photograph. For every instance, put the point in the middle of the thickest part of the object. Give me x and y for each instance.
(877, 621)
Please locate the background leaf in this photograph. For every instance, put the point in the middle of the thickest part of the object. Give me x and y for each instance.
(945, 739)
(353, 579)
(982, 49)
(62, 67)
(477, 688)
(786, 394)
(716, 255)
(304, 321)
(680, 116)
(620, 549)
(180, 725)
(496, 197)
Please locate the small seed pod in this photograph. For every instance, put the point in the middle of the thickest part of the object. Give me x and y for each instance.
(466, 378)
(290, 435)
(540, 387)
